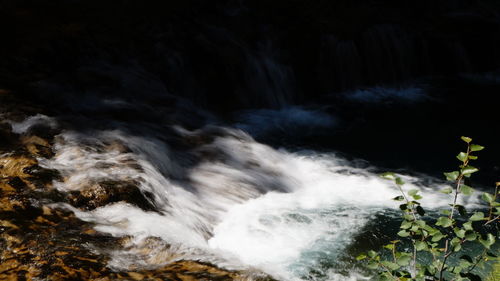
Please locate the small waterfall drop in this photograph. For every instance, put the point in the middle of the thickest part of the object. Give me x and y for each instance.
(227, 199)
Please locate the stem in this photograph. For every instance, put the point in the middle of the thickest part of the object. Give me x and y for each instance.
(394, 253)
(388, 270)
(414, 265)
(459, 181)
(457, 191)
(491, 206)
(477, 260)
(444, 260)
(492, 220)
(412, 211)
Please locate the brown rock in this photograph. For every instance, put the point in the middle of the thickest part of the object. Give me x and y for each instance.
(100, 194)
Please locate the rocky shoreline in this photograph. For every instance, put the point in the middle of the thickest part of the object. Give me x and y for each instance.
(40, 240)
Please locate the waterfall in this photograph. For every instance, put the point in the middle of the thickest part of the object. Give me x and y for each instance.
(269, 83)
(225, 198)
(208, 132)
(389, 54)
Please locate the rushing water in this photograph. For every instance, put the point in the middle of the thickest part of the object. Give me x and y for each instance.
(228, 199)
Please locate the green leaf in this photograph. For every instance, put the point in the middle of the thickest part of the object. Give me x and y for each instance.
(460, 233)
(413, 192)
(431, 230)
(404, 260)
(487, 197)
(468, 225)
(390, 265)
(372, 265)
(445, 212)
(466, 139)
(452, 176)
(446, 190)
(472, 157)
(389, 246)
(478, 216)
(385, 276)
(419, 245)
(469, 170)
(470, 236)
(388, 176)
(455, 241)
(421, 223)
(398, 198)
(462, 156)
(408, 217)
(399, 181)
(405, 225)
(457, 248)
(444, 222)
(372, 254)
(476, 147)
(490, 240)
(466, 190)
(361, 257)
(437, 237)
(417, 197)
(403, 233)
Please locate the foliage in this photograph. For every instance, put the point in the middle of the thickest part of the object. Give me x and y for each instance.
(495, 273)
(441, 238)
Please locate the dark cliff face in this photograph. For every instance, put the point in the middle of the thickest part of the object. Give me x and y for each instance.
(236, 54)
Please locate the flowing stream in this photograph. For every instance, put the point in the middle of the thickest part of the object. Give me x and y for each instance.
(222, 197)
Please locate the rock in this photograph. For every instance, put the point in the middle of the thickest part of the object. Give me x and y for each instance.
(13, 165)
(17, 183)
(104, 193)
(39, 241)
(7, 138)
(41, 175)
(37, 146)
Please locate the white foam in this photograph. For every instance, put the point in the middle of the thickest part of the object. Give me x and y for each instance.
(332, 202)
(241, 204)
(23, 126)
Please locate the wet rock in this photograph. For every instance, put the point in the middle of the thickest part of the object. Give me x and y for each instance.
(108, 192)
(12, 165)
(37, 146)
(17, 183)
(39, 175)
(41, 241)
(7, 138)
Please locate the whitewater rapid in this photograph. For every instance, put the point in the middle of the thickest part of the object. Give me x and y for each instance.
(228, 199)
